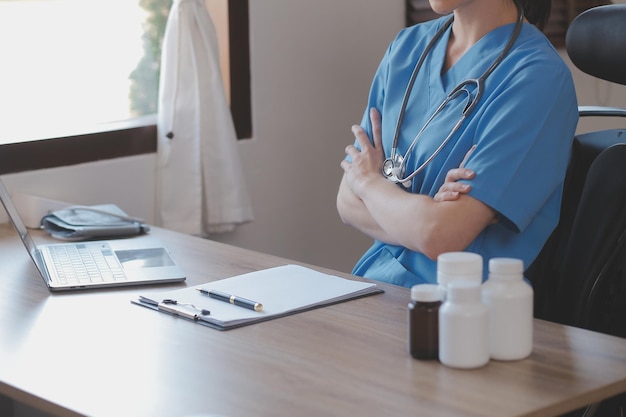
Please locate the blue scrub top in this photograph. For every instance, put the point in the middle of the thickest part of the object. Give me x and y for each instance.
(523, 129)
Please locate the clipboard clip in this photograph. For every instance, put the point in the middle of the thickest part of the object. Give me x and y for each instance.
(182, 309)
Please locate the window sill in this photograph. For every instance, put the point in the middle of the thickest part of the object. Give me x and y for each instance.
(106, 141)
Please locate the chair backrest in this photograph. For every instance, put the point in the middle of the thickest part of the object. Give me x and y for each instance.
(596, 40)
(580, 275)
(593, 282)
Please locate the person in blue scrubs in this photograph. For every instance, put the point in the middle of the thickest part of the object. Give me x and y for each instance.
(514, 147)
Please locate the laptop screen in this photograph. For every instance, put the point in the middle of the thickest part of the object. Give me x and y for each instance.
(22, 231)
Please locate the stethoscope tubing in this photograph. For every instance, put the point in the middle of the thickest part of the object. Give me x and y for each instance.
(398, 162)
(441, 145)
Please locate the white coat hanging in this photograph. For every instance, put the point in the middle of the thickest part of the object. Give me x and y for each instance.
(200, 184)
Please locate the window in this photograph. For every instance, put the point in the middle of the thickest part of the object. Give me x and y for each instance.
(562, 13)
(88, 70)
(72, 64)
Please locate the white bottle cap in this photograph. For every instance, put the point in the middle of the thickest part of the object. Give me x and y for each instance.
(427, 293)
(506, 266)
(464, 291)
(464, 266)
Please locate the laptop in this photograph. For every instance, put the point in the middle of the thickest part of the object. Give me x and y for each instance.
(96, 264)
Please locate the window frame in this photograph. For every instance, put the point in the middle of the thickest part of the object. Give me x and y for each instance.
(121, 139)
(135, 136)
(239, 55)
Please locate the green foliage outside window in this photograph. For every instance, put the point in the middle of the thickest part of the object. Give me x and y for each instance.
(144, 87)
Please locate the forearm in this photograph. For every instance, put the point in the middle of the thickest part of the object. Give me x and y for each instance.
(397, 213)
(419, 223)
(353, 212)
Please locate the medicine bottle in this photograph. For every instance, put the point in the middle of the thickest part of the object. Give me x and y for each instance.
(463, 331)
(423, 321)
(509, 300)
(459, 266)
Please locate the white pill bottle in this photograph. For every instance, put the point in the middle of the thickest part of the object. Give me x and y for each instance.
(463, 327)
(509, 299)
(458, 266)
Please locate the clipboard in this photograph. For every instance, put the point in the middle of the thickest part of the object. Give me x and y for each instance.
(282, 291)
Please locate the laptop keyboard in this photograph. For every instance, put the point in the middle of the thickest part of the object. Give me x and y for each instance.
(86, 263)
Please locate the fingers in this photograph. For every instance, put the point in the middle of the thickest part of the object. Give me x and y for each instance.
(376, 128)
(361, 137)
(351, 151)
(467, 155)
(456, 174)
(366, 152)
(455, 187)
(447, 196)
(452, 189)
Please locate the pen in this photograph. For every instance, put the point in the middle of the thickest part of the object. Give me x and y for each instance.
(232, 299)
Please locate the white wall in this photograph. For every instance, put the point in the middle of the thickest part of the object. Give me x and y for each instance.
(312, 62)
(595, 92)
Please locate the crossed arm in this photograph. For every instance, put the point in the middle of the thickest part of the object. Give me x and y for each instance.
(384, 211)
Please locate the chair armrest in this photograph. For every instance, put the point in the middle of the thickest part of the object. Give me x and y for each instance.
(601, 111)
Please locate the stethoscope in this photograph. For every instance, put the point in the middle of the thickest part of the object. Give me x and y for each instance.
(394, 167)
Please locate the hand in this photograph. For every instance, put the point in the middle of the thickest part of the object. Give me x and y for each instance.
(367, 163)
(451, 189)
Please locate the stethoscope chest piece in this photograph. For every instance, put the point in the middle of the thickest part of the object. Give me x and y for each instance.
(394, 168)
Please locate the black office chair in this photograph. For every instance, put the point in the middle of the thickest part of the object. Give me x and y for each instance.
(579, 277)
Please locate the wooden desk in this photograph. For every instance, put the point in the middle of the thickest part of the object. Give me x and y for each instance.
(94, 353)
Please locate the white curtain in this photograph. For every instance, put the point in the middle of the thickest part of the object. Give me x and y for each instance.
(200, 186)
